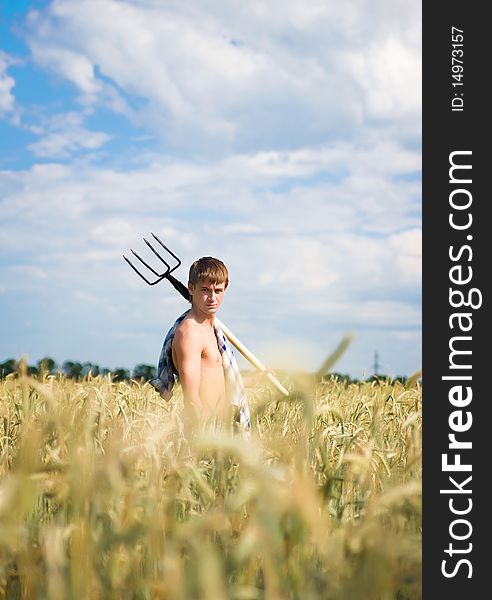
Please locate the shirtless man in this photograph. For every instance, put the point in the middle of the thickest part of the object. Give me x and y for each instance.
(195, 352)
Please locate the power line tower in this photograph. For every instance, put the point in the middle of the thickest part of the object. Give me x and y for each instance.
(376, 364)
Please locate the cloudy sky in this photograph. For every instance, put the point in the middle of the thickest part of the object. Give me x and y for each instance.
(282, 136)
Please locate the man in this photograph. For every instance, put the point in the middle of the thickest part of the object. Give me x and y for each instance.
(197, 353)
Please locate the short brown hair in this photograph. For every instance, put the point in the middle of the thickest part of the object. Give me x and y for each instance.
(209, 269)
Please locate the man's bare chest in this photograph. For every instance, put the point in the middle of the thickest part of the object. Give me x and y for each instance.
(210, 356)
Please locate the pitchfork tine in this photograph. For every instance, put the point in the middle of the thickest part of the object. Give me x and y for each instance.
(138, 272)
(158, 255)
(160, 276)
(148, 266)
(167, 249)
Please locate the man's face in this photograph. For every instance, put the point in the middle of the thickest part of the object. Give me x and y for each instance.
(207, 297)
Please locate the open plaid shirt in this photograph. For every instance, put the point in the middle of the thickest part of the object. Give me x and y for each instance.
(167, 374)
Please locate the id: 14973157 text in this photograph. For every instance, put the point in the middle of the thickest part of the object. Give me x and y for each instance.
(457, 101)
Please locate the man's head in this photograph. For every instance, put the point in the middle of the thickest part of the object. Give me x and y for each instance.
(208, 269)
(207, 282)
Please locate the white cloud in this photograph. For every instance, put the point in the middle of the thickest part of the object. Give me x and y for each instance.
(71, 65)
(407, 247)
(385, 313)
(381, 266)
(314, 241)
(390, 74)
(7, 83)
(240, 228)
(339, 193)
(208, 76)
(28, 271)
(64, 135)
(297, 266)
(86, 298)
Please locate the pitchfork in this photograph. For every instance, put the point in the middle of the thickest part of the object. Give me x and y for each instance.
(183, 290)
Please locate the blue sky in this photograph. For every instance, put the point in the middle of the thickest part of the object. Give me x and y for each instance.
(283, 137)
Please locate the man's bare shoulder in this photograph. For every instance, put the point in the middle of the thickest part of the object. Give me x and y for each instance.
(188, 331)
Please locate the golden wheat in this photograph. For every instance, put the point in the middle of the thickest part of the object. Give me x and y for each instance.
(102, 496)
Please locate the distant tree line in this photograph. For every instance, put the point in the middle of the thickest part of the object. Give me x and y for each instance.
(78, 370)
(343, 377)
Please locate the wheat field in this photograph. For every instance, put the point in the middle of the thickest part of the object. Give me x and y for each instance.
(103, 497)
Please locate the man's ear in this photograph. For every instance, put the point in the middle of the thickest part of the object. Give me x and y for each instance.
(190, 288)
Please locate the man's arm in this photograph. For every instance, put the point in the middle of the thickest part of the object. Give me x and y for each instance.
(188, 355)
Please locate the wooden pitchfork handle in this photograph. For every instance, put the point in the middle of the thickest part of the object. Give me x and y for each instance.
(250, 357)
(240, 347)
